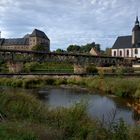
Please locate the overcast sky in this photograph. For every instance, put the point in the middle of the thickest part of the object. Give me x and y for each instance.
(69, 21)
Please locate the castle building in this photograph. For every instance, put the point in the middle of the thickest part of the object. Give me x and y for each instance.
(128, 46)
(37, 37)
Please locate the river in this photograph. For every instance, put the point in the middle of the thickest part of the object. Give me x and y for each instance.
(99, 106)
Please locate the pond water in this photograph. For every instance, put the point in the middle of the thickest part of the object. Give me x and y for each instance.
(98, 105)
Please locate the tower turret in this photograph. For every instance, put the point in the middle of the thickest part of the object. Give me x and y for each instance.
(136, 32)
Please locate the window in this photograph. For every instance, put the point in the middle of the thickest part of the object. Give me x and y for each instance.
(136, 51)
(120, 53)
(114, 53)
(127, 53)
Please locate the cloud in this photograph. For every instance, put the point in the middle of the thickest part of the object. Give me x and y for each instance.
(69, 22)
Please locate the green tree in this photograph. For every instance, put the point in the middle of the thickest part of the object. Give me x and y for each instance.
(86, 48)
(97, 46)
(59, 50)
(39, 48)
(108, 51)
(73, 48)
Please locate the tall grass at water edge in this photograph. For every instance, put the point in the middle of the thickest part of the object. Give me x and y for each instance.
(125, 87)
(23, 117)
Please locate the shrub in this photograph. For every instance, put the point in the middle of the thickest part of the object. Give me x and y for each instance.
(119, 131)
(28, 67)
(122, 70)
(16, 131)
(91, 69)
(22, 106)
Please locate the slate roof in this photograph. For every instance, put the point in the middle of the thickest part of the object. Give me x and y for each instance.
(17, 41)
(24, 40)
(38, 33)
(136, 28)
(123, 42)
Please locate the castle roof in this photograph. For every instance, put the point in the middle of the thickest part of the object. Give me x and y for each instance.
(17, 41)
(38, 33)
(123, 42)
(24, 40)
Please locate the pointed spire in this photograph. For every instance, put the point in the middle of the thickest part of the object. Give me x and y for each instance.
(137, 21)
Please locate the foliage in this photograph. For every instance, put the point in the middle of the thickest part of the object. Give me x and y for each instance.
(48, 67)
(28, 67)
(125, 87)
(88, 47)
(38, 48)
(26, 118)
(91, 69)
(20, 106)
(16, 131)
(59, 51)
(83, 48)
(122, 70)
(73, 48)
(107, 52)
(119, 131)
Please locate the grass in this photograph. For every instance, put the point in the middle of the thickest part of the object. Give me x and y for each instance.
(48, 67)
(16, 131)
(124, 87)
(26, 118)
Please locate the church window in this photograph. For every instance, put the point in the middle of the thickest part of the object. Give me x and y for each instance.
(120, 53)
(127, 53)
(114, 53)
(136, 51)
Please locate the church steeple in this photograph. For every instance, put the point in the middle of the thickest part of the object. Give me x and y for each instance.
(137, 21)
(137, 25)
(136, 32)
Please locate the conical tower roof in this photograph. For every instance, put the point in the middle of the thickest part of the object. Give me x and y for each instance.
(137, 26)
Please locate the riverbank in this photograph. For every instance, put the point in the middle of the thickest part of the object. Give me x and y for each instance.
(119, 86)
(23, 117)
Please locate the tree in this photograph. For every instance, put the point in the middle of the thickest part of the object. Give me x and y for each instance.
(39, 48)
(108, 51)
(97, 47)
(59, 50)
(86, 48)
(73, 48)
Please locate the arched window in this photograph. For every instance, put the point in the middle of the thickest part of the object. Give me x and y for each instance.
(136, 51)
(127, 53)
(120, 53)
(114, 53)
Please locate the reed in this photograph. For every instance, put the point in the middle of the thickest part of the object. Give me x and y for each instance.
(26, 118)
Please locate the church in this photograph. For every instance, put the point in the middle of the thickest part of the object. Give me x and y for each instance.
(128, 46)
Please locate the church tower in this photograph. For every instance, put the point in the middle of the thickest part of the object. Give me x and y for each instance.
(136, 33)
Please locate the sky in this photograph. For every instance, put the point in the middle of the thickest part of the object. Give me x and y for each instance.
(68, 22)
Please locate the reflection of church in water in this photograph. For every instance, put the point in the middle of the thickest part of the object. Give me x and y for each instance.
(128, 46)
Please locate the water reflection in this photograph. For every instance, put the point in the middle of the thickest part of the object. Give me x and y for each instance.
(98, 105)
